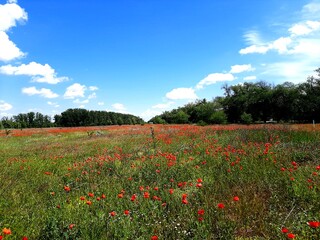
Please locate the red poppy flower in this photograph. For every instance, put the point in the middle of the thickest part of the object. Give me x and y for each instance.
(120, 195)
(291, 235)
(200, 212)
(113, 213)
(314, 224)
(88, 203)
(171, 190)
(67, 188)
(71, 226)
(6, 231)
(146, 194)
(236, 198)
(284, 230)
(90, 194)
(221, 205)
(133, 197)
(154, 237)
(126, 212)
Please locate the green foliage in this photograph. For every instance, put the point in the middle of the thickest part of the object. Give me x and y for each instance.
(82, 117)
(246, 118)
(218, 117)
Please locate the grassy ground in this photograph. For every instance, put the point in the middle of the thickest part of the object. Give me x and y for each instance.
(165, 182)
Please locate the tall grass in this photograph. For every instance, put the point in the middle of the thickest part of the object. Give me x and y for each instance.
(173, 182)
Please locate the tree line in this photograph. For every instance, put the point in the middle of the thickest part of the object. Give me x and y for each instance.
(69, 118)
(253, 103)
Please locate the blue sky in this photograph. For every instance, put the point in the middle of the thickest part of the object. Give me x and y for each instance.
(146, 56)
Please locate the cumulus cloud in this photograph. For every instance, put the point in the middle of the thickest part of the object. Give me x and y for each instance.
(78, 101)
(43, 92)
(241, 68)
(4, 106)
(214, 78)
(39, 73)
(100, 103)
(10, 13)
(300, 34)
(93, 88)
(181, 93)
(119, 107)
(53, 104)
(250, 78)
(163, 105)
(8, 50)
(93, 95)
(74, 91)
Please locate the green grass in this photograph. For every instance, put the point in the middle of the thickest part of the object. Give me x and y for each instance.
(273, 172)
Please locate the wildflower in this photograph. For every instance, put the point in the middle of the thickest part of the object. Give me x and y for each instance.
(67, 188)
(314, 224)
(90, 194)
(221, 205)
(184, 201)
(154, 237)
(82, 198)
(200, 219)
(71, 226)
(146, 195)
(199, 185)
(103, 196)
(23, 238)
(284, 230)
(88, 202)
(113, 213)
(126, 212)
(120, 195)
(199, 180)
(133, 197)
(201, 212)
(6, 231)
(98, 198)
(291, 235)
(171, 190)
(236, 198)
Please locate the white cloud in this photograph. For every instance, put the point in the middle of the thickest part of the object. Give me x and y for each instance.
(150, 113)
(100, 103)
(53, 104)
(8, 50)
(81, 102)
(39, 73)
(10, 14)
(214, 78)
(93, 88)
(119, 107)
(74, 91)
(254, 49)
(253, 38)
(43, 92)
(4, 106)
(292, 71)
(93, 95)
(181, 93)
(241, 68)
(304, 28)
(162, 105)
(311, 10)
(250, 78)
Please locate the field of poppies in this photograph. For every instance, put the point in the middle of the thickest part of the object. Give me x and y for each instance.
(161, 182)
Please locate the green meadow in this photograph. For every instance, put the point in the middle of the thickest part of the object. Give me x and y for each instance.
(161, 182)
